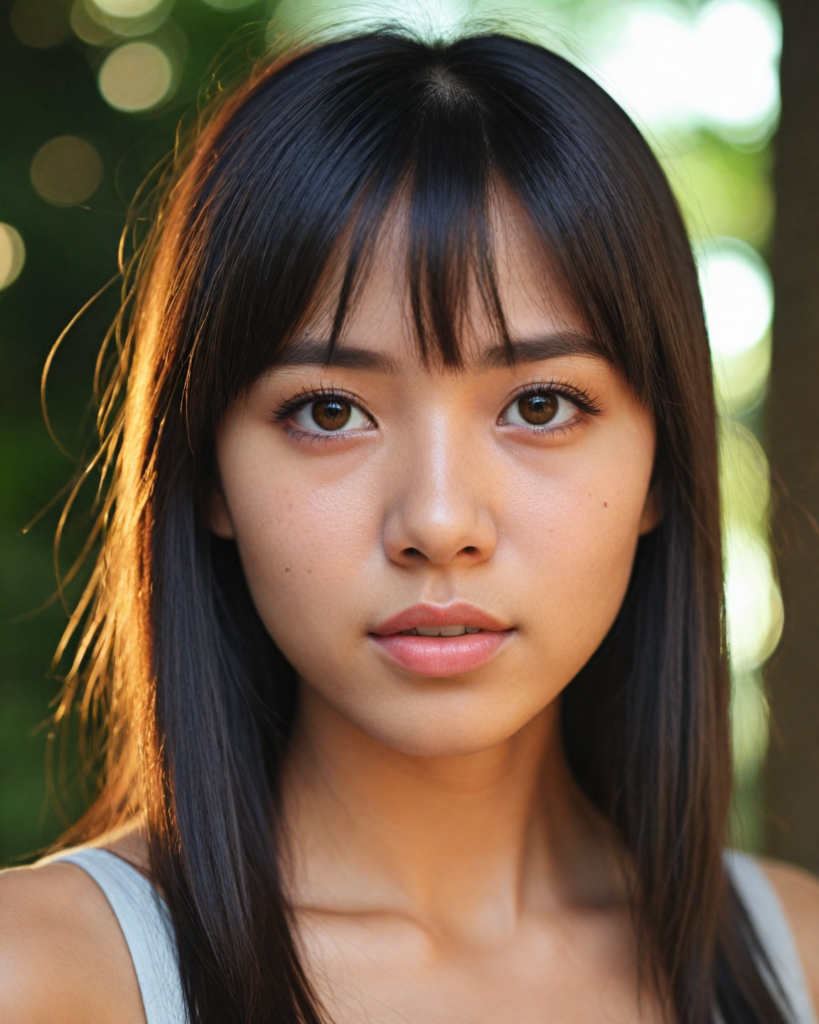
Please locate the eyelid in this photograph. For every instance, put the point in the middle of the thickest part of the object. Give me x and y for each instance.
(576, 395)
(302, 398)
(583, 403)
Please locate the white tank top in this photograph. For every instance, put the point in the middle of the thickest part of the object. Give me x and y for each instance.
(146, 925)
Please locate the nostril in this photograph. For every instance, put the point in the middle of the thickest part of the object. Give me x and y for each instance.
(470, 550)
(412, 552)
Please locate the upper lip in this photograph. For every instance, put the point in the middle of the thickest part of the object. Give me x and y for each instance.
(459, 613)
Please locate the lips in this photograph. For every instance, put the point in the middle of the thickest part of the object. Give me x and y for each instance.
(459, 613)
(441, 656)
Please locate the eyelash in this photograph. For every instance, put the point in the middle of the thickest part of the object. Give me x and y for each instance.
(577, 396)
(283, 413)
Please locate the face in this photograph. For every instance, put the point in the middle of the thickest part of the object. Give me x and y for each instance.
(377, 500)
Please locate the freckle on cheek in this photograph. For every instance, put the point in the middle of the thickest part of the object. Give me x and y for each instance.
(287, 568)
(605, 504)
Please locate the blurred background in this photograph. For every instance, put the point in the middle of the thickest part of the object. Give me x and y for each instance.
(91, 92)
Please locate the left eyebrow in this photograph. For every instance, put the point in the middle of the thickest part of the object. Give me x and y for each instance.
(546, 346)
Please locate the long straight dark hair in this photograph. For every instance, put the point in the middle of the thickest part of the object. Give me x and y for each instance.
(304, 160)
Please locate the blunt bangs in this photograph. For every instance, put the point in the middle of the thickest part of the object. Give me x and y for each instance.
(326, 148)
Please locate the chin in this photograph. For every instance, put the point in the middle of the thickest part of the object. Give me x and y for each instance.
(446, 727)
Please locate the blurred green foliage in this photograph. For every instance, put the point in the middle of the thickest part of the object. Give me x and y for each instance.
(71, 253)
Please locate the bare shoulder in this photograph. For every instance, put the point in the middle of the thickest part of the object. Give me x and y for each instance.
(63, 957)
(798, 892)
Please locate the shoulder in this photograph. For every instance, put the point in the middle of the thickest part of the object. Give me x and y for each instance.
(63, 957)
(798, 892)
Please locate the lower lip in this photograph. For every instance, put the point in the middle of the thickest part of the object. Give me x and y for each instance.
(445, 655)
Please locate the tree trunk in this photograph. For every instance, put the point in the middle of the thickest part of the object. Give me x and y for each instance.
(792, 771)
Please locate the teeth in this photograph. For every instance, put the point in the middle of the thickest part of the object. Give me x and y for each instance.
(441, 630)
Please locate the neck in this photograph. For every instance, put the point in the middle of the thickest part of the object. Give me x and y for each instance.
(466, 843)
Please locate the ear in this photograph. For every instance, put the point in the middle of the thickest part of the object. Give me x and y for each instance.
(653, 510)
(217, 514)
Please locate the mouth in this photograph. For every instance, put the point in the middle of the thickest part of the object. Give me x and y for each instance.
(440, 631)
(441, 640)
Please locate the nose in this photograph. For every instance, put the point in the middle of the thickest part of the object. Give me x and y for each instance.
(440, 515)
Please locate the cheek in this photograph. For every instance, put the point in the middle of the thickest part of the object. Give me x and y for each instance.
(304, 551)
(577, 533)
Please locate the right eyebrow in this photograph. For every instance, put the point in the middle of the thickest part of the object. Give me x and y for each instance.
(312, 352)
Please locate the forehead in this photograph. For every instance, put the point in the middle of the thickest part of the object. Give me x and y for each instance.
(380, 320)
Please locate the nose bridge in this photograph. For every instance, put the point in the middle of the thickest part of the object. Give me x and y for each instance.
(439, 512)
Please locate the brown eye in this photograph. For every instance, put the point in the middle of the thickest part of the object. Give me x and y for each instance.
(538, 408)
(331, 413)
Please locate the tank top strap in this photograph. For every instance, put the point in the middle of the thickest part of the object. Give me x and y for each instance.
(145, 922)
(768, 918)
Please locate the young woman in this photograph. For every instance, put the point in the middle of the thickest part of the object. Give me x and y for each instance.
(407, 626)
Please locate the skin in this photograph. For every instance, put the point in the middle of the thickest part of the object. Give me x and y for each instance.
(443, 865)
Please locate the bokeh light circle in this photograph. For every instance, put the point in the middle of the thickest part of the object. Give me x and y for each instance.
(136, 76)
(752, 599)
(737, 45)
(86, 28)
(675, 67)
(738, 295)
(127, 8)
(647, 66)
(12, 255)
(39, 23)
(66, 170)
